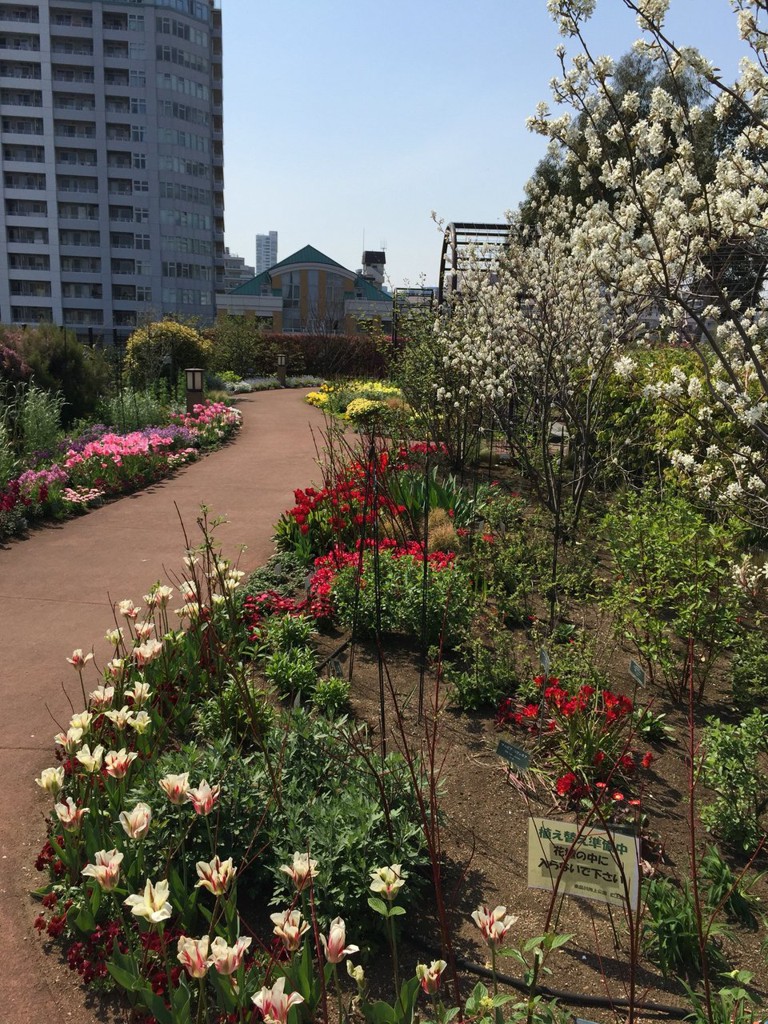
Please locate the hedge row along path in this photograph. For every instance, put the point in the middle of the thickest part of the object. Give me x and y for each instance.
(55, 592)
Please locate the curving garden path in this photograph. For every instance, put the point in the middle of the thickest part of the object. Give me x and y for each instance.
(55, 594)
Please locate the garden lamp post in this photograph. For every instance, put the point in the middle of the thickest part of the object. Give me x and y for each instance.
(282, 361)
(194, 387)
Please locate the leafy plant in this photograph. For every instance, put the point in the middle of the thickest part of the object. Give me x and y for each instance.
(292, 672)
(672, 597)
(399, 593)
(670, 929)
(331, 696)
(40, 419)
(749, 669)
(733, 765)
(730, 892)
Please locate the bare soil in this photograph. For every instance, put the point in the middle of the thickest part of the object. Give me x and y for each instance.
(484, 837)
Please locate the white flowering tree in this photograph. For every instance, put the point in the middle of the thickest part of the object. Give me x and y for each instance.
(535, 338)
(685, 233)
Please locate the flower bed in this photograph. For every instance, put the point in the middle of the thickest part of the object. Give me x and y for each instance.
(100, 464)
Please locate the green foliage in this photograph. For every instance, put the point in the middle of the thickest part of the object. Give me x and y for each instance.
(436, 490)
(332, 802)
(486, 673)
(731, 1004)
(449, 598)
(132, 409)
(237, 346)
(331, 696)
(733, 766)
(284, 573)
(672, 586)
(729, 892)
(232, 713)
(59, 363)
(293, 672)
(749, 669)
(287, 632)
(162, 350)
(8, 462)
(670, 930)
(40, 419)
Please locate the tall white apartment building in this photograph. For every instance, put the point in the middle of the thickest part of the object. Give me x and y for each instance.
(111, 140)
(266, 251)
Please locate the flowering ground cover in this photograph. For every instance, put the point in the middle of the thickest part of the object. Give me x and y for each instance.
(100, 464)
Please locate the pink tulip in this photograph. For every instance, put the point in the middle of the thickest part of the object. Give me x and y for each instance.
(430, 976)
(78, 660)
(204, 798)
(176, 787)
(334, 947)
(147, 652)
(275, 1004)
(117, 762)
(302, 871)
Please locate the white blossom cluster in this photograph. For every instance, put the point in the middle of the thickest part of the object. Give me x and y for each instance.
(672, 232)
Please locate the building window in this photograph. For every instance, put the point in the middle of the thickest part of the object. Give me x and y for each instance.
(139, 161)
(143, 293)
(136, 22)
(140, 186)
(138, 133)
(137, 79)
(138, 105)
(141, 241)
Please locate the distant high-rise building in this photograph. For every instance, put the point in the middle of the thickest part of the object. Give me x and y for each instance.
(236, 272)
(266, 251)
(112, 162)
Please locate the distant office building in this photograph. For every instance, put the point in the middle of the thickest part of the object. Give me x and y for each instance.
(236, 272)
(266, 251)
(112, 183)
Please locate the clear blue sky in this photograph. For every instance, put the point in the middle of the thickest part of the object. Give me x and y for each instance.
(348, 120)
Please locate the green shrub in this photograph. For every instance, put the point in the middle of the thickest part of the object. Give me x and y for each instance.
(733, 766)
(292, 672)
(331, 696)
(133, 409)
(449, 605)
(161, 351)
(750, 670)
(59, 363)
(287, 632)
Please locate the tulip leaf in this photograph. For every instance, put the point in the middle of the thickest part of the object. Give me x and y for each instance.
(378, 905)
(395, 911)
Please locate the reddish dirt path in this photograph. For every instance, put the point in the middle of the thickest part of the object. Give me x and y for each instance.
(55, 591)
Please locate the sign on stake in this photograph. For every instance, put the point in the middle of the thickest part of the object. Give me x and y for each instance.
(637, 672)
(519, 758)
